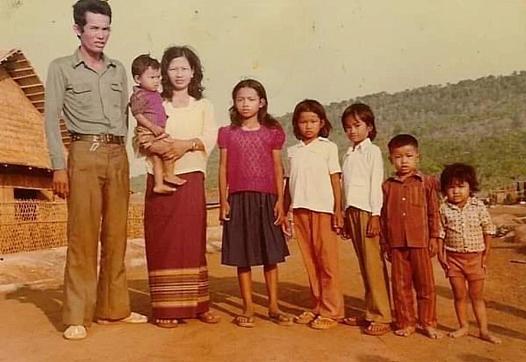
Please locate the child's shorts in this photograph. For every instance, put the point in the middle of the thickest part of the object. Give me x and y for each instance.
(467, 265)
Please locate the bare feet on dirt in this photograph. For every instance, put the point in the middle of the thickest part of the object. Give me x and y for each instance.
(432, 333)
(461, 332)
(490, 338)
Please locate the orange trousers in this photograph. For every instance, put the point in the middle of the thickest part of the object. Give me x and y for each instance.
(319, 246)
(97, 210)
(412, 268)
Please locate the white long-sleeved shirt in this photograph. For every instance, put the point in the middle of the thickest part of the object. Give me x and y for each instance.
(363, 174)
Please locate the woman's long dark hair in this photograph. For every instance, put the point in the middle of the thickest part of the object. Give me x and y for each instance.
(195, 89)
(263, 117)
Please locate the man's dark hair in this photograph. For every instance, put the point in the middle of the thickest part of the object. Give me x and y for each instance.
(93, 6)
(143, 62)
(402, 140)
(459, 172)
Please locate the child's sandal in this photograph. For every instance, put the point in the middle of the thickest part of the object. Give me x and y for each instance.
(305, 318)
(432, 333)
(323, 323)
(405, 332)
(244, 321)
(354, 321)
(280, 318)
(377, 329)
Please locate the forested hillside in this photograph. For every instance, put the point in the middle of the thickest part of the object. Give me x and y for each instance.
(481, 122)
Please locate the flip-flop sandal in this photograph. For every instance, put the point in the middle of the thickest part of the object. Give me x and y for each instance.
(377, 329)
(244, 321)
(305, 318)
(323, 323)
(209, 318)
(354, 321)
(166, 323)
(281, 319)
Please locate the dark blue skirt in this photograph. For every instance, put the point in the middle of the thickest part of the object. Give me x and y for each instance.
(250, 237)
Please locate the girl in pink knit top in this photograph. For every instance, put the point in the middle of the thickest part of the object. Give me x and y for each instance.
(251, 196)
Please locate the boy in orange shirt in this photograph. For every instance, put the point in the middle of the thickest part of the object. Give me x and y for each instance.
(410, 227)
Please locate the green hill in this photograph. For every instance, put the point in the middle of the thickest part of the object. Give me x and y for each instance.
(481, 122)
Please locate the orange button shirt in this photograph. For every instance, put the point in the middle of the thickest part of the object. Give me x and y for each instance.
(410, 212)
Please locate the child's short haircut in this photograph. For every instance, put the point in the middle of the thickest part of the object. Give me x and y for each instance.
(459, 172)
(143, 62)
(402, 140)
(311, 105)
(362, 112)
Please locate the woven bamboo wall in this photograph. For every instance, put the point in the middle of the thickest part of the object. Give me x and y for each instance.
(32, 225)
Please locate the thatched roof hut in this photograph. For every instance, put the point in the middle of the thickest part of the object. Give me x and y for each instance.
(24, 157)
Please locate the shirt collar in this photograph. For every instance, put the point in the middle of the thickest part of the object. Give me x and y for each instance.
(319, 139)
(471, 201)
(418, 174)
(137, 89)
(362, 146)
(77, 59)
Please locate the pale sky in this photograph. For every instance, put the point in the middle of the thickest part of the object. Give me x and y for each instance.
(329, 50)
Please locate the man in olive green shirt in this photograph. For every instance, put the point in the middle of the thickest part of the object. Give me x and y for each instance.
(90, 91)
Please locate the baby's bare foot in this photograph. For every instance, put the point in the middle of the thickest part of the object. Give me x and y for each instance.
(461, 332)
(163, 189)
(174, 180)
(490, 338)
(433, 333)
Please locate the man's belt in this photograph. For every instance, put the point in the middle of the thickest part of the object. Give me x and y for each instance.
(98, 138)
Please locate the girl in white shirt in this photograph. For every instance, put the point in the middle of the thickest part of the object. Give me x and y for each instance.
(313, 191)
(362, 183)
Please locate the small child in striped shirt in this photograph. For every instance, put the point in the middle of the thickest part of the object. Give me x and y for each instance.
(464, 245)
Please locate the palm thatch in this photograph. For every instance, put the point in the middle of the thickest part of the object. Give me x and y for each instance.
(22, 138)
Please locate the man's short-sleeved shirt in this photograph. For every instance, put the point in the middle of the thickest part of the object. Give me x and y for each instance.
(92, 102)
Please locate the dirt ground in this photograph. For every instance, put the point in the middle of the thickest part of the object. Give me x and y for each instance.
(31, 294)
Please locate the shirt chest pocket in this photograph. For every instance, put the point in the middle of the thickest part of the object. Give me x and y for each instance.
(113, 101)
(116, 87)
(116, 94)
(82, 94)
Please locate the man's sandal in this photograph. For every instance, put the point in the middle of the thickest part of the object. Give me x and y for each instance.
(305, 318)
(323, 323)
(75, 332)
(166, 323)
(280, 318)
(209, 318)
(377, 329)
(244, 321)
